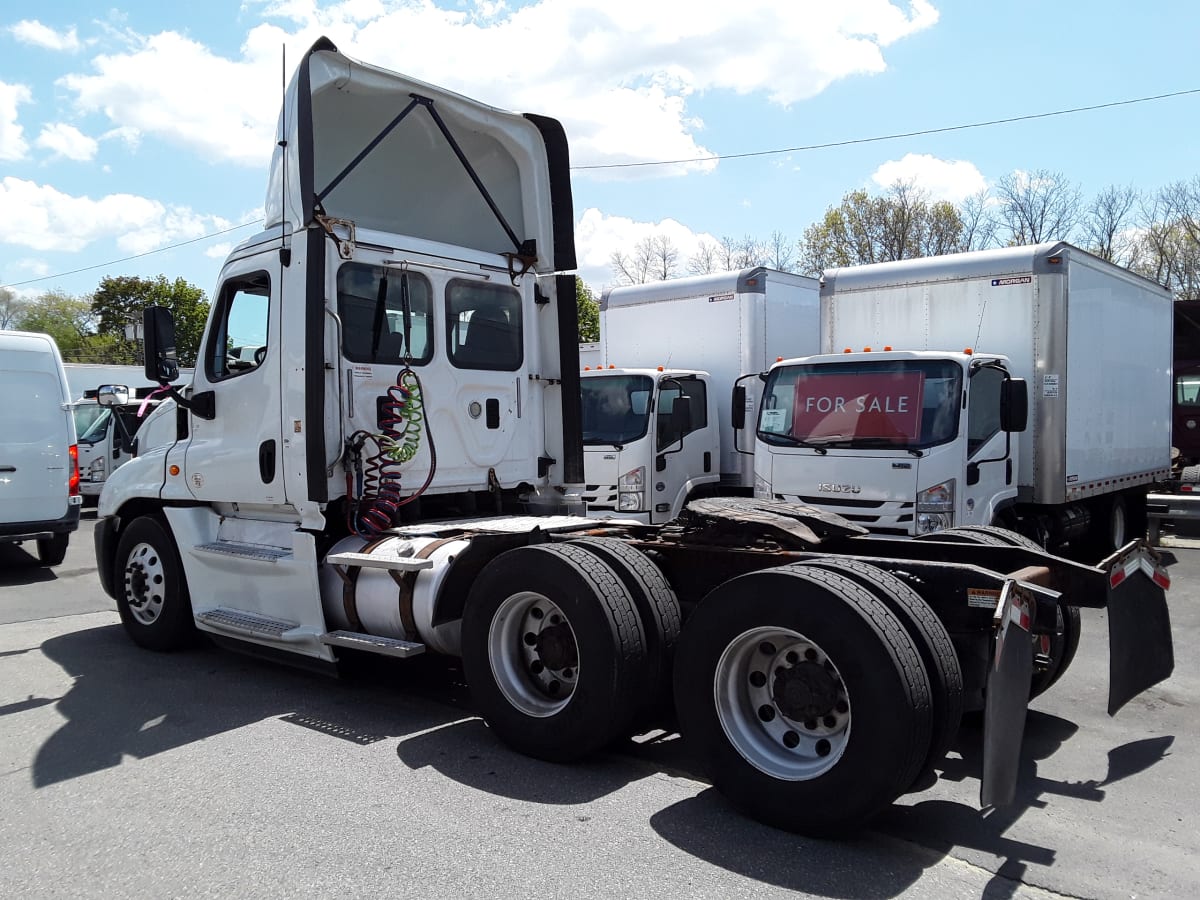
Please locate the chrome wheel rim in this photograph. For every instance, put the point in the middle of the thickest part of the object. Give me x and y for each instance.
(145, 583)
(782, 703)
(533, 654)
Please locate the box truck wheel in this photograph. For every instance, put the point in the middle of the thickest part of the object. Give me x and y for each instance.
(52, 550)
(553, 651)
(152, 593)
(932, 641)
(658, 609)
(804, 699)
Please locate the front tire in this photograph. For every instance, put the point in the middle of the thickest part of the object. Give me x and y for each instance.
(804, 699)
(553, 651)
(152, 592)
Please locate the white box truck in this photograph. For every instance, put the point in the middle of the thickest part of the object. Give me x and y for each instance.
(387, 474)
(657, 416)
(915, 419)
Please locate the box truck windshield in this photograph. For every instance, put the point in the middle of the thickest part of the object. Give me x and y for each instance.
(616, 408)
(906, 404)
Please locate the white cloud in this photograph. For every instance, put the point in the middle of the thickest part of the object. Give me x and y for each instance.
(218, 251)
(598, 236)
(13, 145)
(34, 32)
(67, 141)
(47, 219)
(618, 73)
(944, 179)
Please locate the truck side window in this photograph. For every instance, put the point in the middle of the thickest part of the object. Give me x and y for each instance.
(238, 341)
(682, 409)
(983, 408)
(483, 326)
(372, 304)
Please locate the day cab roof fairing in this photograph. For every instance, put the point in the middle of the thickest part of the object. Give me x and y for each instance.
(396, 155)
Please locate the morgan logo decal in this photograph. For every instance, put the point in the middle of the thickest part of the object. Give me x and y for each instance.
(828, 488)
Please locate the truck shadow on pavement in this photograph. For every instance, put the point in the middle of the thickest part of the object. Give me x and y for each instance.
(128, 702)
(18, 567)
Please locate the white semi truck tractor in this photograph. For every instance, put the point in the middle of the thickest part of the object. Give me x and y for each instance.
(393, 469)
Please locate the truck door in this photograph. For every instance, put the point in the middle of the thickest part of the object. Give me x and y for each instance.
(686, 450)
(235, 456)
(988, 457)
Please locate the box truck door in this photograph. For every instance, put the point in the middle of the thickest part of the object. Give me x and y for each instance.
(989, 463)
(686, 444)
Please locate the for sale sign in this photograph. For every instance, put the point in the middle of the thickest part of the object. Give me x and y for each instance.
(865, 405)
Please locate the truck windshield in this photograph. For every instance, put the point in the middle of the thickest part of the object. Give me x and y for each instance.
(96, 428)
(616, 408)
(906, 404)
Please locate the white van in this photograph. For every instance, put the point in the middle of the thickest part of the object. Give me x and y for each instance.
(39, 459)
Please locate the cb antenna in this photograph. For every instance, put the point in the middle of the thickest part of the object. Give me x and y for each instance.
(284, 251)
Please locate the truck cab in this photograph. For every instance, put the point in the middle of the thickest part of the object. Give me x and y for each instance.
(901, 442)
(107, 437)
(650, 441)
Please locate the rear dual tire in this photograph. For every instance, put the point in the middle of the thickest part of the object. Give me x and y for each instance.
(804, 699)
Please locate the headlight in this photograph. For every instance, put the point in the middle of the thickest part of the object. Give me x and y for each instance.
(935, 508)
(633, 480)
(96, 469)
(629, 501)
(937, 499)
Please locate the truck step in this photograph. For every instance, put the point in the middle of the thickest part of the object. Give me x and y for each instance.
(239, 622)
(241, 550)
(372, 643)
(380, 561)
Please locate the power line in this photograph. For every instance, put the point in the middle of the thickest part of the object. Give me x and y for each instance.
(890, 137)
(114, 262)
(673, 162)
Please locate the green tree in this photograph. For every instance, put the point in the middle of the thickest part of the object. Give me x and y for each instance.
(589, 312)
(120, 300)
(10, 308)
(901, 224)
(69, 320)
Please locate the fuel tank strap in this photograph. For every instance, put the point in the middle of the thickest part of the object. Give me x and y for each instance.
(407, 581)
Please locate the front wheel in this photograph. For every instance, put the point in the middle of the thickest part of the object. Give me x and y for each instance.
(804, 699)
(152, 592)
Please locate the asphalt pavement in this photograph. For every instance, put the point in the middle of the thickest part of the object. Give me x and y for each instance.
(207, 773)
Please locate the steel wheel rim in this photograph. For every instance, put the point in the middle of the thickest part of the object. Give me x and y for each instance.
(145, 583)
(757, 717)
(534, 654)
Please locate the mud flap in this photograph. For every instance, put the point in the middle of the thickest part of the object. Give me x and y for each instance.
(1007, 696)
(1140, 650)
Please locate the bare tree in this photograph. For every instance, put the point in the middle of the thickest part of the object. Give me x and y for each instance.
(1107, 225)
(1168, 245)
(664, 255)
(705, 260)
(979, 226)
(1035, 207)
(632, 268)
(781, 252)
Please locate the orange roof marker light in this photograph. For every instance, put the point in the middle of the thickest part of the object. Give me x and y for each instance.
(779, 359)
(887, 348)
(866, 349)
(660, 368)
(968, 351)
(611, 366)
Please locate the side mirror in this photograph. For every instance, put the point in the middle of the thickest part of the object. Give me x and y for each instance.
(162, 362)
(112, 395)
(738, 410)
(1014, 405)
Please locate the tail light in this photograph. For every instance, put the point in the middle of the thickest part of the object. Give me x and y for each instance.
(73, 483)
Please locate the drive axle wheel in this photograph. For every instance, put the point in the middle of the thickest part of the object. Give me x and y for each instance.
(804, 699)
(553, 650)
(152, 594)
(782, 703)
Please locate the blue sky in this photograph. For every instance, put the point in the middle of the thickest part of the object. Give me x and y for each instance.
(129, 130)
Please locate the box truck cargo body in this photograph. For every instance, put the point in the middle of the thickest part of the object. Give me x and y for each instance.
(671, 352)
(1091, 342)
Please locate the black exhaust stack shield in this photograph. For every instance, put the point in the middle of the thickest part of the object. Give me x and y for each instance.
(1007, 696)
(568, 361)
